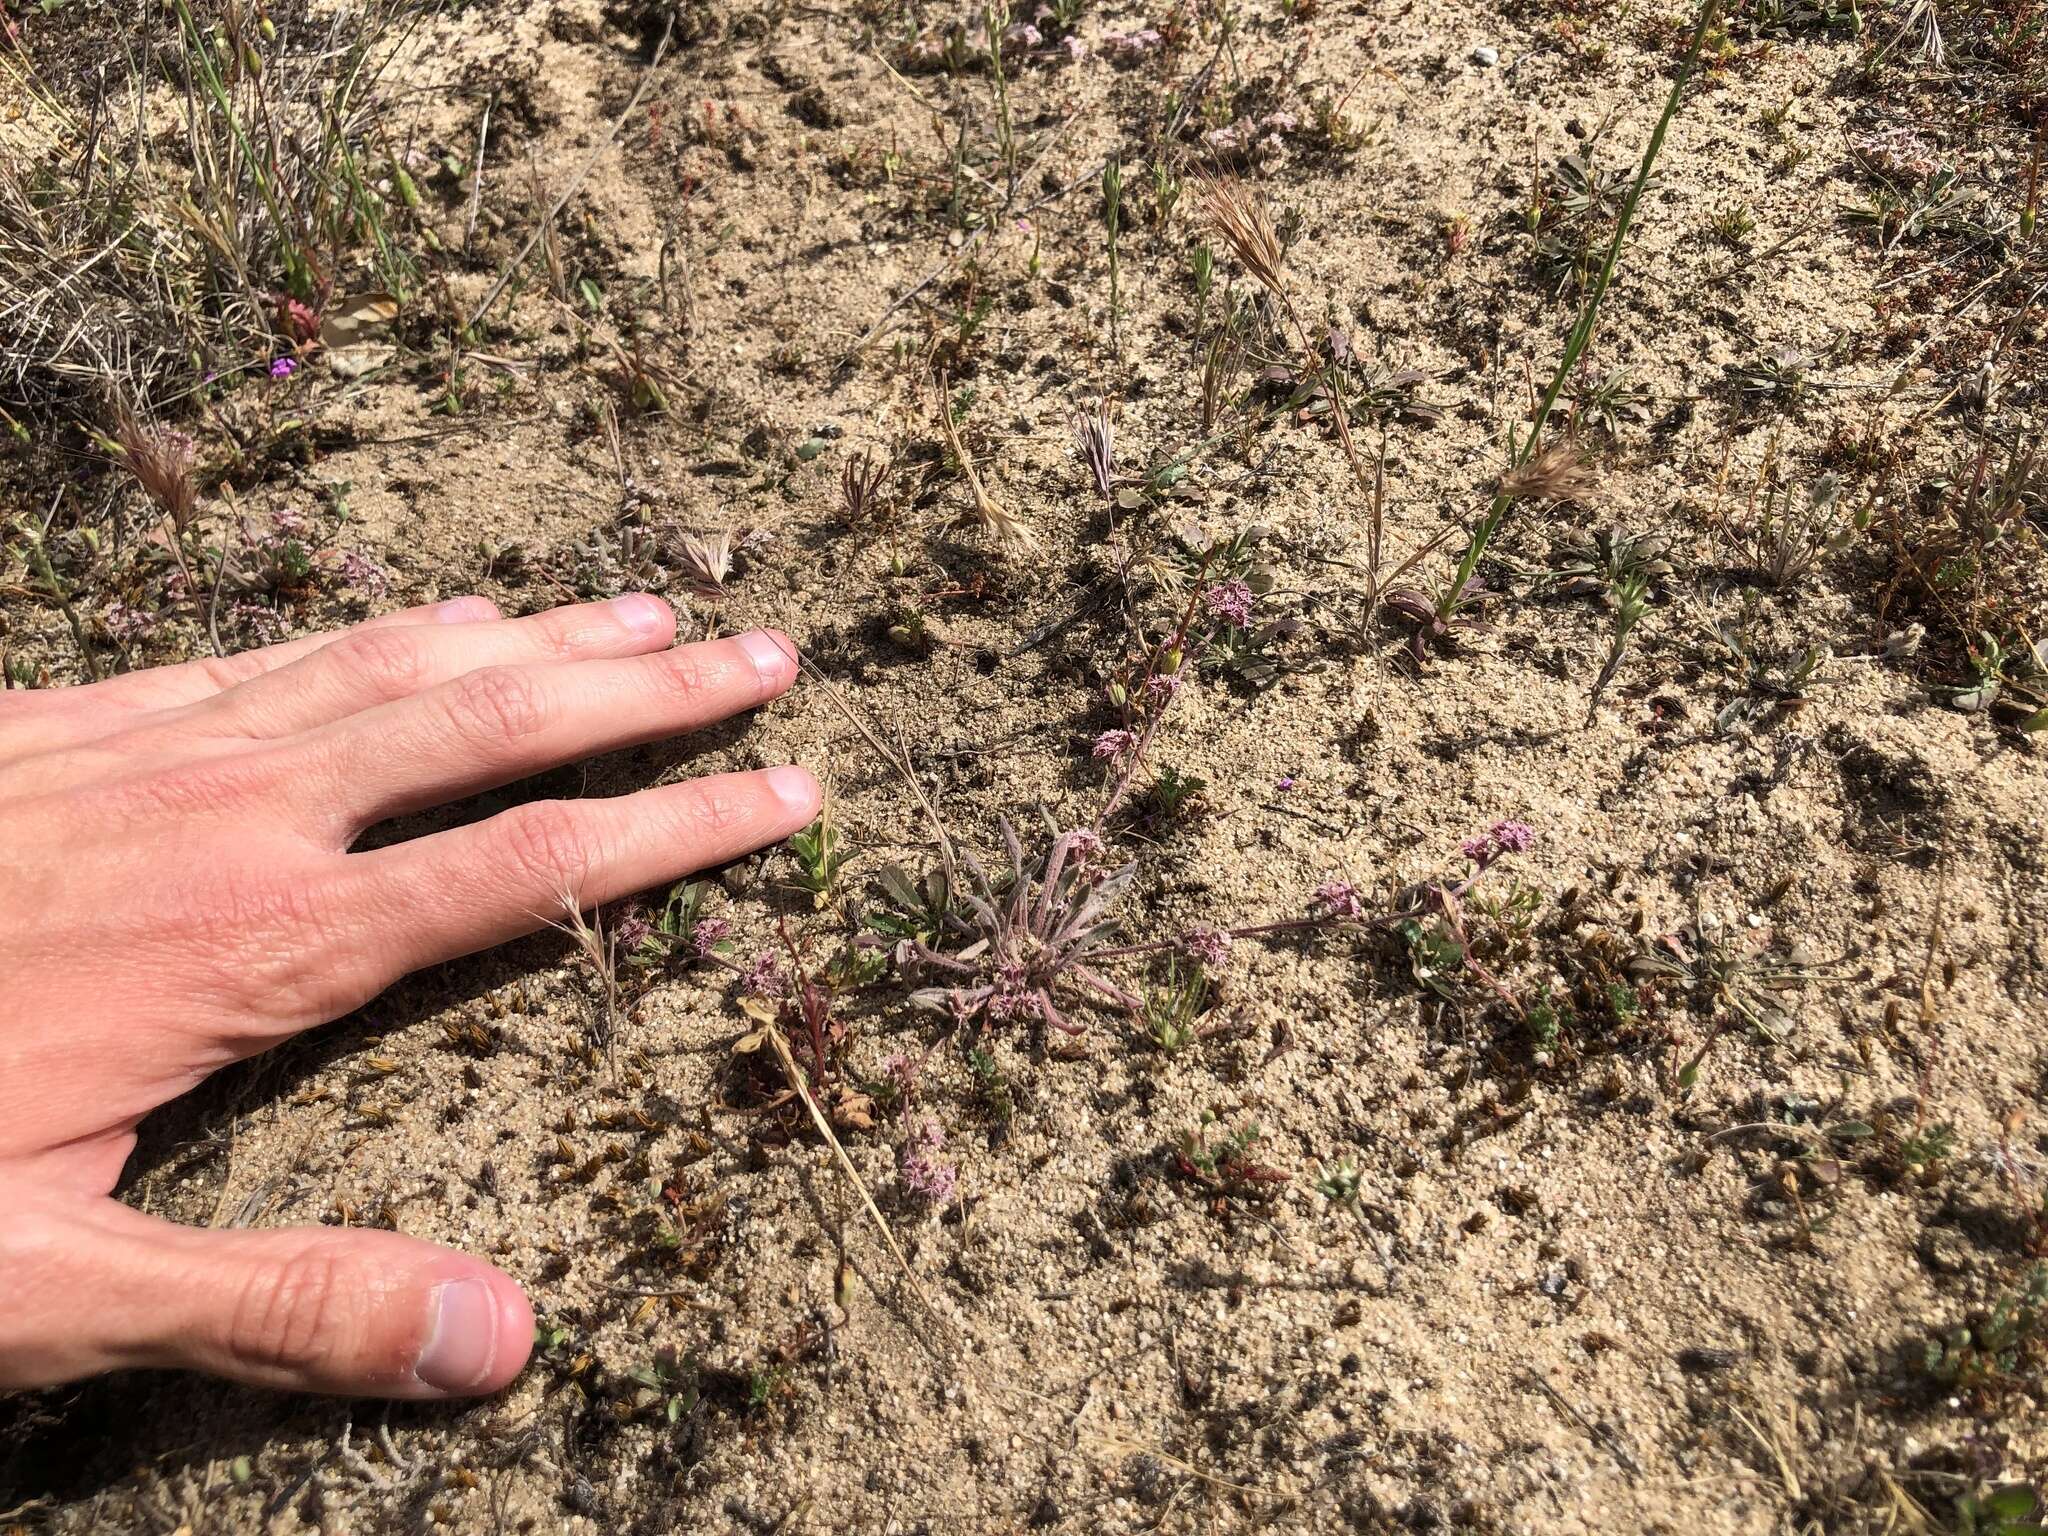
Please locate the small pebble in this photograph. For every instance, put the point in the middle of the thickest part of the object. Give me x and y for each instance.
(1485, 57)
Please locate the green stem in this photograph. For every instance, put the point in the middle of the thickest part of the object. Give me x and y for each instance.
(1589, 314)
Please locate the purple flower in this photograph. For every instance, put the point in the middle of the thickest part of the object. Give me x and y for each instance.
(125, 623)
(632, 931)
(364, 574)
(1230, 601)
(1162, 686)
(1209, 947)
(902, 1071)
(1337, 898)
(1286, 782)
(763, 977)
(260, 622)
(1011, 995)
(707, 933)
(1513, 836)
(283, 368)
(1113, 744)
(1132, 45)
(925, 1174)
(1502, 837)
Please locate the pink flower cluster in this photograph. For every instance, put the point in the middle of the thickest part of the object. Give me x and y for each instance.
(1230, 601)
(925, 1174)
(1503, 837)
(1113, 744)
(1209, 947)
(1337, 898)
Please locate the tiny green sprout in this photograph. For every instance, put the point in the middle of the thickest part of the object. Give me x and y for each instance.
(820, 856)
(1174, 1008)
(2013, 1510)
(763, 1385)
(1733, 225)
(1174, 794)
(1341, 1184)
(1988, 1352)
(1165, 190)
(669, 1382)
(1202, 267)
(991, 1087)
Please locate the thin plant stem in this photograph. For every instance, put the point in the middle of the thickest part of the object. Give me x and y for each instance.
(1582, 331)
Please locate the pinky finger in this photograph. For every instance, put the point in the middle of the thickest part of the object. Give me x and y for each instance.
(461, 891)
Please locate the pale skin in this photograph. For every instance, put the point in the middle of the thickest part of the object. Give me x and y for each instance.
(178, 892)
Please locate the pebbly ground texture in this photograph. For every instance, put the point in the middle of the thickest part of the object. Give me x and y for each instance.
(1618, 1252)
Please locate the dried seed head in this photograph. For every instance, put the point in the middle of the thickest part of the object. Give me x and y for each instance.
(1242, 221)
(1555, 474)
(706, 561)
(160, 459)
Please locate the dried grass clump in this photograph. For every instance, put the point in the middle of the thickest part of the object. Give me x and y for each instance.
(153, 235)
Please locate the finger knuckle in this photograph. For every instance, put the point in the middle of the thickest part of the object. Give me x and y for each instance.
(547, 845)
(686, 678)
(392, 662)
(719, 814)
(496, 704)
(295, 1314)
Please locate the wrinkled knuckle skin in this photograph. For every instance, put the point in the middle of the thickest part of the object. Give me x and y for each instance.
(389, 660)
(496, 704)
(547, 847)
(296, 1315)
(235, 785)
(720, 816)
(687, 680)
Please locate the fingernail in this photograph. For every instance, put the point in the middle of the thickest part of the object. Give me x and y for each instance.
(642, 614)
(463, 1340)
(773, 657)
(796, 789)
(465, 610)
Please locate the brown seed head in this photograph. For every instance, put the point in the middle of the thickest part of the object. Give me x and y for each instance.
(1555, 474)
(160, 459)
(1240, 218)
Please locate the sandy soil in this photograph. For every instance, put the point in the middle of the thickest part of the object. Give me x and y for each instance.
(1573, 1297)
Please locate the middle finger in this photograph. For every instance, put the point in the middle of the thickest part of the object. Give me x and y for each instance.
(498, 724)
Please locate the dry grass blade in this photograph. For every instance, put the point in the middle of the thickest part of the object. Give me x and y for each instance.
(1242, 221)
(797, 1079)
(997, 519)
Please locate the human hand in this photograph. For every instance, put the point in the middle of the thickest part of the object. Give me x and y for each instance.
(176, 893)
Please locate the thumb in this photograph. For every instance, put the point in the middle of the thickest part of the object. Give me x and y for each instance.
(308, 1309)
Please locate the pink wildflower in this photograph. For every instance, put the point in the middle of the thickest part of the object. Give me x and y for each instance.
(925, 1174)
(1338, 898)
(1113, 744)
(1230, 601)
(764, 977)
